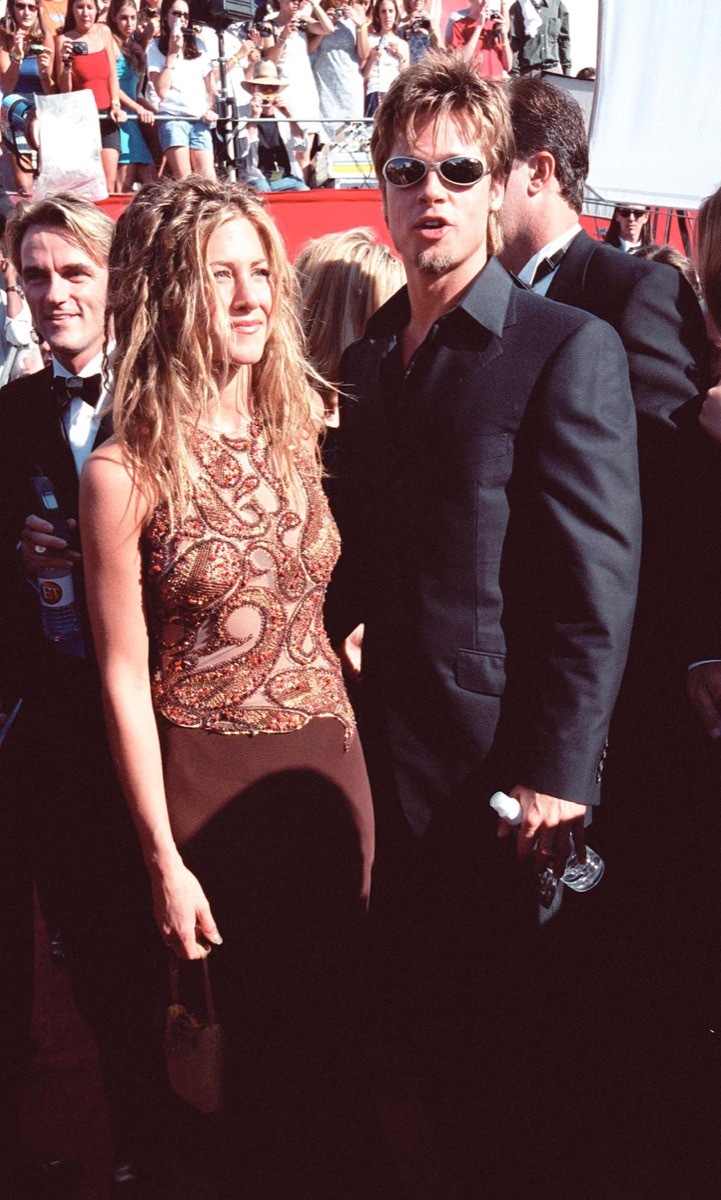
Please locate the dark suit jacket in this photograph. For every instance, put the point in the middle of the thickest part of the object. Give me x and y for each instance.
(490, 515)
(31, 434)
(659, 321)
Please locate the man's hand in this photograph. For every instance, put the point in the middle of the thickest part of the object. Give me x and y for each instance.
(546, 828)
(41, 548)
(704, 692)
(710, 415)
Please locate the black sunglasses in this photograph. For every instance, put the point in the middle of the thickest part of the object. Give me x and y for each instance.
(631, 212)
(461, 171)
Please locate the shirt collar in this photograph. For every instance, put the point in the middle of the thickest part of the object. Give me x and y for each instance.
(485, 300)
(559, 243)
(94, 367)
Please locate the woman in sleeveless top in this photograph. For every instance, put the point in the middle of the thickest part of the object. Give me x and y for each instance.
(208, 546)
(135, 161)
(26, 51)
(85, 57)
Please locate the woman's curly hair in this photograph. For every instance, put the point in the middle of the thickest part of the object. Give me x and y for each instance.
(167, 363)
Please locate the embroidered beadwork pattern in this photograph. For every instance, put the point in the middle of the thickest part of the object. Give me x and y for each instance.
(236, 595)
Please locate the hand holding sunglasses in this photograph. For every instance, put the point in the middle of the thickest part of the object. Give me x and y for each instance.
(461, 171)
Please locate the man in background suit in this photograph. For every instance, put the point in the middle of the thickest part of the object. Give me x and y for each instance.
(85, 857)
(654, 796)
(490, 519)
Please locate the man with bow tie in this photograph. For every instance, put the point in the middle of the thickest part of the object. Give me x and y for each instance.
(85, 861)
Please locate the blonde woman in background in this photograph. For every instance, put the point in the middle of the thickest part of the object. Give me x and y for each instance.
(343, 278)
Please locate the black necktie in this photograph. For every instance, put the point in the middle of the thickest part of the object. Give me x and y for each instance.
(547, 265)
(66, 389)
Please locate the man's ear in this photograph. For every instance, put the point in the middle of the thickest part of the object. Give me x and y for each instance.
(541, 170)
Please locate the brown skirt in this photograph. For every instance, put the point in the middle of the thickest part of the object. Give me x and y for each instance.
(278, 829)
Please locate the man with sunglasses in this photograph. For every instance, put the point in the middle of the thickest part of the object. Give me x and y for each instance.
(488, 504)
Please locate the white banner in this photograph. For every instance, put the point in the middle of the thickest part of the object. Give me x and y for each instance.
(656, 124)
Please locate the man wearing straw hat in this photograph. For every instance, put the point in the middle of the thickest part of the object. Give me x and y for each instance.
(274, 139)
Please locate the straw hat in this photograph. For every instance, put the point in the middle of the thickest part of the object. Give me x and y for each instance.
(264, 72)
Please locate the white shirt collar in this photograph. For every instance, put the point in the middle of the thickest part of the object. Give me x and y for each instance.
(564, 239)
(94, 367)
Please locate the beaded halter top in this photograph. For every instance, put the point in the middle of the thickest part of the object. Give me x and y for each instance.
(235, 594)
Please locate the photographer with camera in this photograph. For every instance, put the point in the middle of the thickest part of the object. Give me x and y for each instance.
(85, 58)
(275, 141)
(419, 29)
(182, 90)
(339, 58)
(480, 33)
(26, 52)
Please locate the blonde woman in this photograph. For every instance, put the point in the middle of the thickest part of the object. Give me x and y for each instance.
(208, 545)
(343, 278)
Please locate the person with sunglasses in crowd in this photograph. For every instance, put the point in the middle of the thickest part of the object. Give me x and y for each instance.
(490, 521)
(182, 90)
(630, 228)
(26, 56)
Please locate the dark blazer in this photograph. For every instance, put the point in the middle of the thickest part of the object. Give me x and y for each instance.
(31, 434)
(659, 321)
(490, 516)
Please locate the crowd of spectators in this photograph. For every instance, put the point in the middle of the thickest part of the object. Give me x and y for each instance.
(154, 71)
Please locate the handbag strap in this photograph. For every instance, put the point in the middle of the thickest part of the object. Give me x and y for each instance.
(174, 966)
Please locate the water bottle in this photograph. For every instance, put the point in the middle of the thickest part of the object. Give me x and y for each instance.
(580, 876)
(58, 608)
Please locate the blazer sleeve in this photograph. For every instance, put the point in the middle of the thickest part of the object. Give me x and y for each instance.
(569, 578)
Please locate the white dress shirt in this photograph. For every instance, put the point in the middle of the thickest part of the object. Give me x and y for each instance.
(559, 243)
(81, 419)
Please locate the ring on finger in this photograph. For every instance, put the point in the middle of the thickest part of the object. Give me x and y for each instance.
(40, 549)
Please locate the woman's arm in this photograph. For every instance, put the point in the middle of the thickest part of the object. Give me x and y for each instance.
(356, 12)
(399, 48)
(319, 22)
(63, 63)
(162, 79)
(112, 512)
(112, 50)
(12, 52)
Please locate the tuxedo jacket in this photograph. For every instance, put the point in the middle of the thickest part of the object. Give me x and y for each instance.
(488, 504)
(659, 321)
(31, 436)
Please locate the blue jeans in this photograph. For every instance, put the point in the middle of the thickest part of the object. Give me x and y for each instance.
(288, 183)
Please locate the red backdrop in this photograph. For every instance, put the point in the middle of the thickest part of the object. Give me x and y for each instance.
(305, 215)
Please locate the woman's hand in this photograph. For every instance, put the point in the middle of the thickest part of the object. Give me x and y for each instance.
(182, 913)
(44, 61)
(18, 47)
(146, 116)
(357, 13)
(175, 41)
(66, 53)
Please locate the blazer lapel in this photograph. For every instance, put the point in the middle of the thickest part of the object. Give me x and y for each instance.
(569, 281)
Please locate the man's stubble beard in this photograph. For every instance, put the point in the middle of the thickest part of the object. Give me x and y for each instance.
(433, 262)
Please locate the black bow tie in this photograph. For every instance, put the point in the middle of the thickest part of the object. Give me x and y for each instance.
(66, 389)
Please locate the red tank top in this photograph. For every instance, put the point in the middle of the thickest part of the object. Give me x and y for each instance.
(93, 71)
